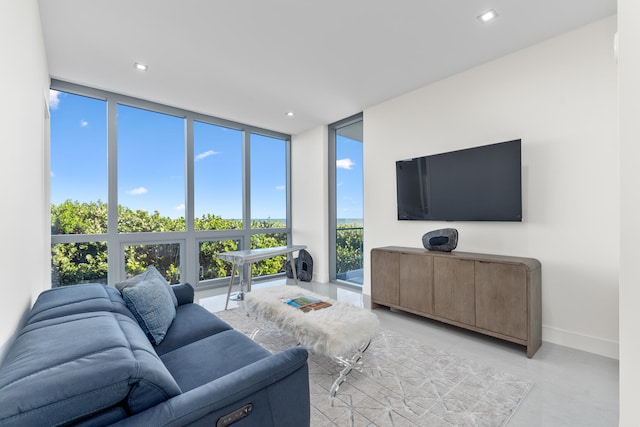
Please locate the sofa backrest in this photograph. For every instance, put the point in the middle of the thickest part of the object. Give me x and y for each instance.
(73, 299)
(65, 369)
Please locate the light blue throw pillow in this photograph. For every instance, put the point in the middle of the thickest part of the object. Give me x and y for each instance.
(151, 305)
(149, 273)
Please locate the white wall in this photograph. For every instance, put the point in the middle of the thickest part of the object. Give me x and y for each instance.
(629, 107)
(560, 97)
(309, 197)
(24, 221)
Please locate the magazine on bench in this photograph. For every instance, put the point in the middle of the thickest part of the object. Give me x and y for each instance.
(306, 303)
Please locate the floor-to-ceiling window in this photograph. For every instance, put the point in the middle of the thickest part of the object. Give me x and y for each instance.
(79, 189)
(346, 200)
(134, 183)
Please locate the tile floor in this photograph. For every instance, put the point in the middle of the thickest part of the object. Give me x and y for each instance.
(572, 388)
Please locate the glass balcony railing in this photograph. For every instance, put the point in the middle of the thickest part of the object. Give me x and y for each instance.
(349, 244)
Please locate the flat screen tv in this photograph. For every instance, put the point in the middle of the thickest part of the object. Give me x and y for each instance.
(476, 184)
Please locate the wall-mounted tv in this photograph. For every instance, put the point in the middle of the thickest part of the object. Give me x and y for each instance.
(476, 184)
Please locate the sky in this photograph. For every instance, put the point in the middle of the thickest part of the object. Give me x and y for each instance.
(151, 163)
(348, 178)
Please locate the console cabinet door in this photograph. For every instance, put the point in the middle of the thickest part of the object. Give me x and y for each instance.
(453, 289)
(416, 282)
(501, 298)
(385, 276)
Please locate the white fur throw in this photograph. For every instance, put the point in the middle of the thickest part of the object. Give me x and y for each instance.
(332, 331)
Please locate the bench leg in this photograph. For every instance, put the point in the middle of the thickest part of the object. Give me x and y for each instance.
(348, 365)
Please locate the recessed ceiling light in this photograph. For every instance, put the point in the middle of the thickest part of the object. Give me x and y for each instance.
(488, 15)
(289, 114)
(139, 66)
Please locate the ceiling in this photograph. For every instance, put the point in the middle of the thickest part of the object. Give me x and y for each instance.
(252, 61)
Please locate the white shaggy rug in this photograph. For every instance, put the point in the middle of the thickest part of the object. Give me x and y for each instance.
(403, 383)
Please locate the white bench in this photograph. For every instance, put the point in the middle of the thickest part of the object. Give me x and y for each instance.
(341, 331)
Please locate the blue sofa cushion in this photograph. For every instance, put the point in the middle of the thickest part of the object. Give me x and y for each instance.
(192, 323)
(73, 299)
(151, 304)
(150, 273)
(184, 293)
(215, 356)
(46, 381)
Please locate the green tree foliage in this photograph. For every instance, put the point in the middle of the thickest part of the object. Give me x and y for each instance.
(212, 222)
(165, 257)
(130, 221)
(270, 265)
(79, 218)
(87, 262)
(212, 267)
(79, 263)
(348, 248)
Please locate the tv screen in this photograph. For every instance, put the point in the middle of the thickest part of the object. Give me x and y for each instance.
(477, 184)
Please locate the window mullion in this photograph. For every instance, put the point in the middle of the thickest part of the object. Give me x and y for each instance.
(246, 190)
(189, 254)
(288, 184)
(115, 255)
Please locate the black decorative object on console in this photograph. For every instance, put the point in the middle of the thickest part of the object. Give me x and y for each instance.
(304, 266)
(443, 240)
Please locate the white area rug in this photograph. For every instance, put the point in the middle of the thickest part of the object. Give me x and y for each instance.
(403, 383)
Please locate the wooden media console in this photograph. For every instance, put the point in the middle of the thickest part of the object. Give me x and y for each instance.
(496, 295)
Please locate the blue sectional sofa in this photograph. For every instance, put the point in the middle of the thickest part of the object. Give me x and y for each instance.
(82, 358)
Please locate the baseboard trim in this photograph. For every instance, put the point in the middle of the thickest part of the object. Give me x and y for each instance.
(588, 343)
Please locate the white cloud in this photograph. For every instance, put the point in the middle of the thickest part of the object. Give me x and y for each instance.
(54, 99)
(138, 191)
(281, 187)
(179, 207)
(344, 164)
(52, 174)
(206, 154)
(84, 123)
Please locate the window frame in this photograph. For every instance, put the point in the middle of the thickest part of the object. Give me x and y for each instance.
(333, 196)
(190, 238)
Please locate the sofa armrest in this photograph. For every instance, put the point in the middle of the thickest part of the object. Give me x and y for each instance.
(184, 293)
(277, 387)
